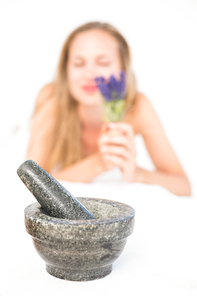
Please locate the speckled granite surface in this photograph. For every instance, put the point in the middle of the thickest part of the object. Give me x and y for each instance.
(54, 198)
(81, 250)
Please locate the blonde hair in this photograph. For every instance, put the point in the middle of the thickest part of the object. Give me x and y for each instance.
(64, 142)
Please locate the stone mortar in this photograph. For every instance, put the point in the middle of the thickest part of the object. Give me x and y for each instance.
(81, 250)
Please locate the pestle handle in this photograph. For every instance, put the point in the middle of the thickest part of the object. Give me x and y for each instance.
(52, 196)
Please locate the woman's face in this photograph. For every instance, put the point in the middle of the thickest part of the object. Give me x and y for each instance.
(92, 53)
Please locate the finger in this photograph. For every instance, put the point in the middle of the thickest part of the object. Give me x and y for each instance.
(112, 133)
(116, 150)
(117, 140)
(126, 167)
(115, 160)
(104, 127)
(108, 164)
(125, 128)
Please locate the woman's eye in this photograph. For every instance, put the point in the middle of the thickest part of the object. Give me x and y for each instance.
(78, 65)
(104, 64)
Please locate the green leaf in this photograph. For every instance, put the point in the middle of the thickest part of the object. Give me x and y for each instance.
(113, 110)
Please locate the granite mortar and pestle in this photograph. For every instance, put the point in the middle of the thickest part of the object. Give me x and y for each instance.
(78, 238)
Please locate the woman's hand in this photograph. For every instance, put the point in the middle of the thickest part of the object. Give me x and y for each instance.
(117, 148)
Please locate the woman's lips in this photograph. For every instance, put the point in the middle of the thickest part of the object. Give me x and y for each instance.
(89, 88)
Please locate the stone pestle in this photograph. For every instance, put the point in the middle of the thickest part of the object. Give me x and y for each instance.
(52, 196)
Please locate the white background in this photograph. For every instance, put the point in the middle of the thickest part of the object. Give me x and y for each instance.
(161, 34)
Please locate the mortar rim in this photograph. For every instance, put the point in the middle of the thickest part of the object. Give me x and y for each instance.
(126, 212)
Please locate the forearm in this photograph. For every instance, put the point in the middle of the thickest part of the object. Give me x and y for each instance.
(83, 171)
(177, 184)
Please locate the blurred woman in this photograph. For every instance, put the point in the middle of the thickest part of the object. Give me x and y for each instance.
(69, 138)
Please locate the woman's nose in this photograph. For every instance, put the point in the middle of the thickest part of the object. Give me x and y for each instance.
(90, 72)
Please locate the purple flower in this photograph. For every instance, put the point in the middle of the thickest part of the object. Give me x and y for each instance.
(104, 89)
(121, 86)
(113, 89)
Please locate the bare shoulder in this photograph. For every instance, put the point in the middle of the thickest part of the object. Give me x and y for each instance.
(45, 106)
(46, 99)
(45, 92)
(140, 113)
(141, 103)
